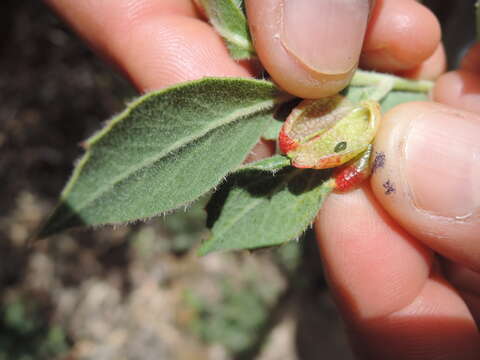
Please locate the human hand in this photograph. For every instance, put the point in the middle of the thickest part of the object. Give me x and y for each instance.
(159, 43)
(399, 299)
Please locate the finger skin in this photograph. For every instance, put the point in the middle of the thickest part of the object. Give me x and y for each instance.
(454, 236)
(392, 44)
(263, 149)
(100, 21)
(394, 304)
(400, 36)
(124, 31)
(473, 303)
(471, 61)
(460, 89)
(265, 21)
(437, 325)
(467, 282)
(430, 69)
(374, 265)
(155, 43)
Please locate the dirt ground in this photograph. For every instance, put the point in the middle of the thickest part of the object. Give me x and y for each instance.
(136, 292)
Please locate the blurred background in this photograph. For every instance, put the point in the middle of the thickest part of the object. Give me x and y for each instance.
(136, 292)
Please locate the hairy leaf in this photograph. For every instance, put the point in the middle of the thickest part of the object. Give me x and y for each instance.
(372, 78)
(228, 18)
(164, 151)
(365, 85)
(271, 164)
(399, 97)
(256, 208)
(356, 93)
(279, 116)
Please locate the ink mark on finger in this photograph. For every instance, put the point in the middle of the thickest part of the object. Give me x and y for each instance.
(378, 162)
(389, 187)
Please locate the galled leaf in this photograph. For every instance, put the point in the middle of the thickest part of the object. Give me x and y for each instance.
(328, 132)
(256, 208)
(164, 151)
(271, 164)
(228, 18)
(388, 90)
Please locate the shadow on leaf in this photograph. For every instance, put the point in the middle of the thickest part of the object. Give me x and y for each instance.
(265, 184)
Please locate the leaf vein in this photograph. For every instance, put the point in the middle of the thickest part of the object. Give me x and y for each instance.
(175, 146)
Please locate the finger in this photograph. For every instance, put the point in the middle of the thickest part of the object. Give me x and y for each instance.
(459, 89)
(436, 325)
(264, 148)
(468, 284)
(426, 176)
(373, 264)
(471, 61)
(97, 21)
(431, 68)
(462, 88)
(311, 48)
(155, 43)
(382, 279)
(401, 35)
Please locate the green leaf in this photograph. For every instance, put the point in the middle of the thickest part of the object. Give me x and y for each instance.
(399, 97)
(279, 116)
(164, 151)
(271, 164)
(273, 129)
(357, 93)
(256, 208)
(392, 90)
(228, 18)
(372, 78)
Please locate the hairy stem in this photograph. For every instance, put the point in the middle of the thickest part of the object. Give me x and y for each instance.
(370, 78)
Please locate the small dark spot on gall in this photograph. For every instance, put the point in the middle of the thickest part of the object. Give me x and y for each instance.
(378, 162)
(389, 187)
(340, 146)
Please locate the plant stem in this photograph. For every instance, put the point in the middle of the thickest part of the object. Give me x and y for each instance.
(370, 78)
(383, 88)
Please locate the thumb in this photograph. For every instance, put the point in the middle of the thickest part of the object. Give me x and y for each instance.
(426, 175)
(311, 48)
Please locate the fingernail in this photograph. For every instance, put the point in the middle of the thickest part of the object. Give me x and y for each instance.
(443, 163)
(325, 35)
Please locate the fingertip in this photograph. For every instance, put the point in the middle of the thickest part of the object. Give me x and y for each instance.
(298, 42)
(401, 35)
(428, 178)
(459, 89)
(431, 68)
(373, 266)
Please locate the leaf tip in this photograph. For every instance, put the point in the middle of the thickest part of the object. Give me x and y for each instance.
(211, 245)
(46, 230)
(62, 218)
(205, 249)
